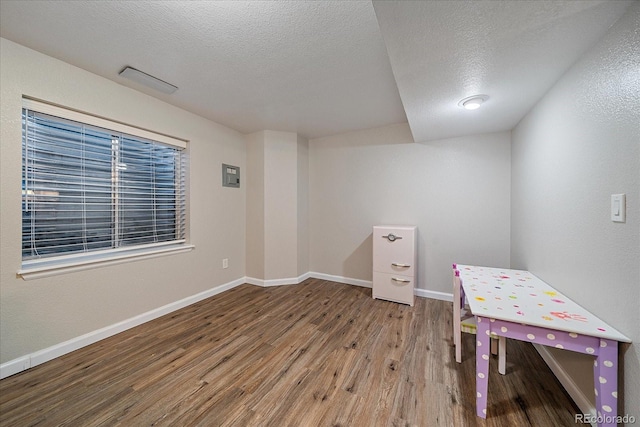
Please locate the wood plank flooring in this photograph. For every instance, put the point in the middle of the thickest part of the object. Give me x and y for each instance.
(315, 354)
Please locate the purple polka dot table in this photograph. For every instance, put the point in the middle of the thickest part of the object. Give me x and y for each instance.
(516, 304)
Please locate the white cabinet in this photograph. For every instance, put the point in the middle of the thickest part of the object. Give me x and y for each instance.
(394, 262)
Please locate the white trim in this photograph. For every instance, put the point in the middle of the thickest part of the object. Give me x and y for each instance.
(25, 362)
(90, 119)
(280, 282)
(15, 366)
(253, 281)
(49, 267)
(304, 277)
(276, 282)
(423, 293)
(442, 296)
(582, 401)
(340, 279)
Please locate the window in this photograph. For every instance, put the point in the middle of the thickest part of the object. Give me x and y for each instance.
(94, 190)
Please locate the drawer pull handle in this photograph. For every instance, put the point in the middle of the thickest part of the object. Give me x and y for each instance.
(398, 264)
(392, 237)
(395, 279)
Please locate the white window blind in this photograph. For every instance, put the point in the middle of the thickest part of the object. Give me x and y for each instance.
(91, 189)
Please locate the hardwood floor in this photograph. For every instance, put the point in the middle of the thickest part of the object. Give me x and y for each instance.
(315, 354)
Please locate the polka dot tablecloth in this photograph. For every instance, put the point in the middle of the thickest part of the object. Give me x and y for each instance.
(519, 296)
(518, 305)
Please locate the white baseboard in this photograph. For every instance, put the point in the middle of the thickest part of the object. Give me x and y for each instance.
(312, 274)
(28, 361)
(340, 279)
(368, 284)
(276, 282)
(15, 366)
(424, 293)
(583, 403)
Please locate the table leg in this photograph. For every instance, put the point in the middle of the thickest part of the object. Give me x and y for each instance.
(502, 355)
(605, 374)
(457, 304)
(482, 364)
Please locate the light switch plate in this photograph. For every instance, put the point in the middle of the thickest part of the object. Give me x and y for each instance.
(618, 207)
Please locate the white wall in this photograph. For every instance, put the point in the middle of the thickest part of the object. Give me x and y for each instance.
(457, 191)
(303, 206)
(280, 205)
(40, 313)
(276, 217)
(254, 179)
(579, 145)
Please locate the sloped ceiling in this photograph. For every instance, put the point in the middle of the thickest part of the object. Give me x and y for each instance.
(325, 67)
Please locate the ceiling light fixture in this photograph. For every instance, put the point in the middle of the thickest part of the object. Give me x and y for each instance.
(148, 80)
(473, 102)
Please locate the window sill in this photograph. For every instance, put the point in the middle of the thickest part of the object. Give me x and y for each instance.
(52, 267)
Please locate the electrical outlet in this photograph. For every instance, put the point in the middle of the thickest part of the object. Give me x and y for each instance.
(225, 263)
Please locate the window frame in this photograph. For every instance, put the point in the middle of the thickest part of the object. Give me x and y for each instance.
(66, 263)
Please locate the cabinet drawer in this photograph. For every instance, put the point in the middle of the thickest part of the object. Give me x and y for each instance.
(394, 256)
(393, 287)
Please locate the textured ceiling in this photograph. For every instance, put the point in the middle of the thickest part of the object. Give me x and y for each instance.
(317, 68)
(321, 68)
(512, 51)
